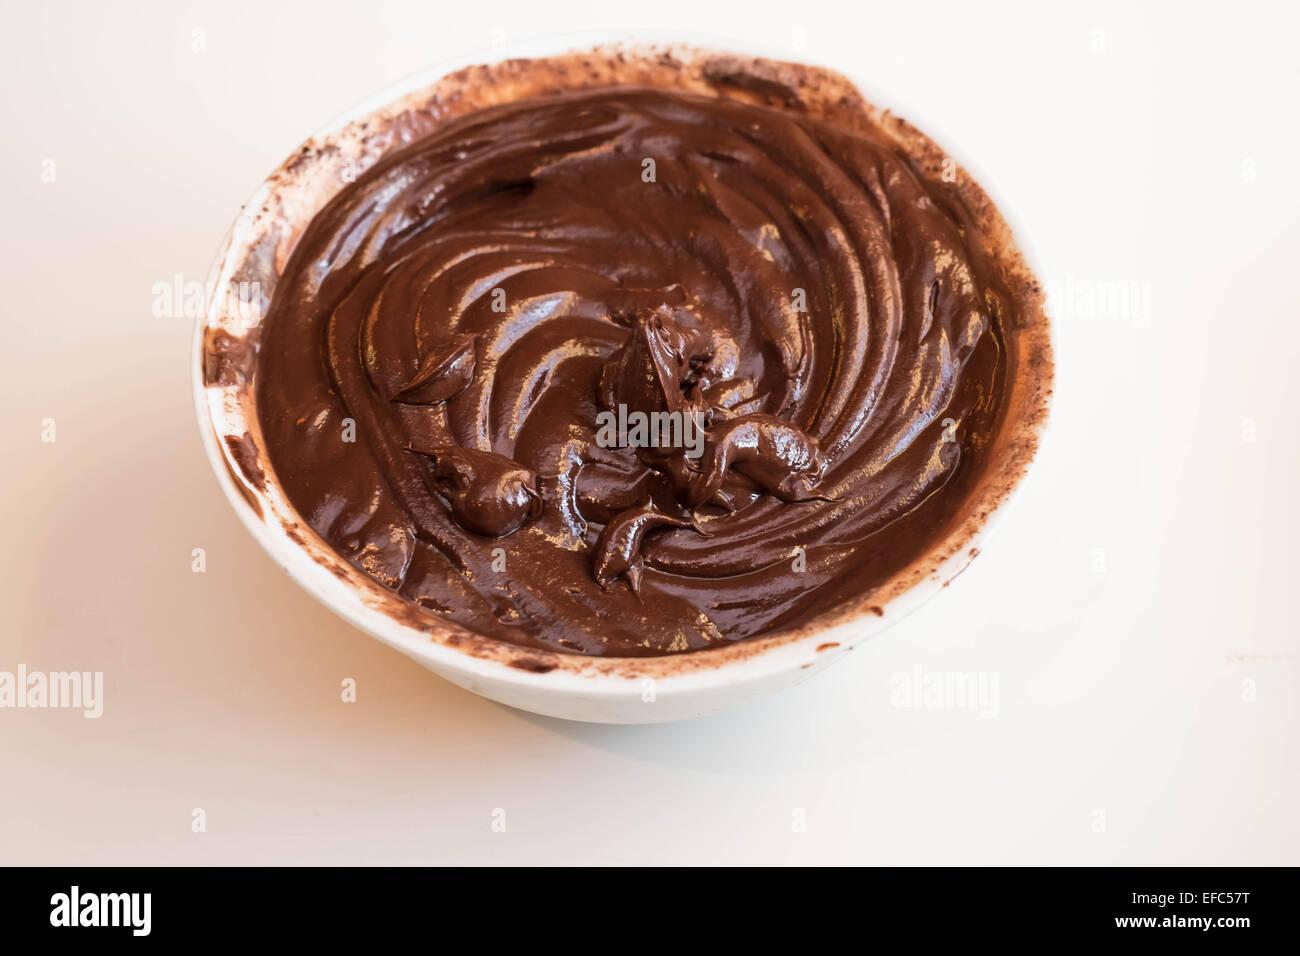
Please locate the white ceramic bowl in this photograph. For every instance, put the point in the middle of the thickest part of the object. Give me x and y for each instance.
(627, 690)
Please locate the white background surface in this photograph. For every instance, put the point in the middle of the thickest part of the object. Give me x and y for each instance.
(1137, 607)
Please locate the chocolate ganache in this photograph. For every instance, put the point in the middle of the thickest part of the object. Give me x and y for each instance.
(464, 347)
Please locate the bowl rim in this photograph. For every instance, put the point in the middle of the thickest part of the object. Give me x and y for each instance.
(374, 610)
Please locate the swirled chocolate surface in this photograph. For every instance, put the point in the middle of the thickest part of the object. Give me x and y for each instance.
(450, 328)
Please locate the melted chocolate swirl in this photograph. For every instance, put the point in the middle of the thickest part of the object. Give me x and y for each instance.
(493, 288)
